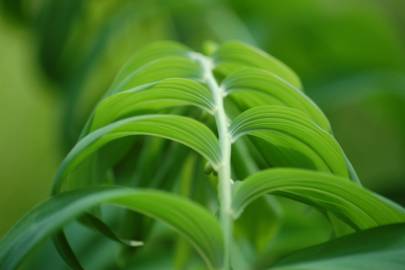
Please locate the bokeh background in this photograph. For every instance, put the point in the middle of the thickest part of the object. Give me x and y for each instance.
(58, 56)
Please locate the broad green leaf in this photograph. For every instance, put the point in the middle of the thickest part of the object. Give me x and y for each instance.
(164, 68)
(373, 249)
(255, 87)
(148, 54)
(292, 136)
(233, 56)
(158, 95)
(192, 221)
(181, 129)
(355, 205)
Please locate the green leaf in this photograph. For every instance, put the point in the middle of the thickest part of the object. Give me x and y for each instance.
(164, 68)
(295, 138)
(350, 202)
(158, 95)
(234, 56)
(255, 87)
(372, 249)
(149, 54)
(181, 129)
(190, 220)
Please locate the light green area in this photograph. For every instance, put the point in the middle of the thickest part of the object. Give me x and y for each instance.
(28, 129)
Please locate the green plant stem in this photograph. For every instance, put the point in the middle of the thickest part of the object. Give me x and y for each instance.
(224, 168)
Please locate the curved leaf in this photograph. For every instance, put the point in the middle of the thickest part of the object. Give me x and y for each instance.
(347, 200)
(373, 249)
(148, 54)
(233, 56)
(192, 221)
(164, 68)
(288, 130)
(181, 129)
(161, 94)
(256, 87)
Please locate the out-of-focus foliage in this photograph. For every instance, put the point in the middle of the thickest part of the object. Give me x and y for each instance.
(29, 149)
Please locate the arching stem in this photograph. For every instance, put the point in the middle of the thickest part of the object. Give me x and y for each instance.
(224, 168)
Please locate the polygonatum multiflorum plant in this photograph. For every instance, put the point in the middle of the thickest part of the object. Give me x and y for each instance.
(194, 141)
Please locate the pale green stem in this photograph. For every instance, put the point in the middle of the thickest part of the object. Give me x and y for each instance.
(224, 167)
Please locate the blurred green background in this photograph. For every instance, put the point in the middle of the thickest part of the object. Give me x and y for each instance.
(57, 57)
